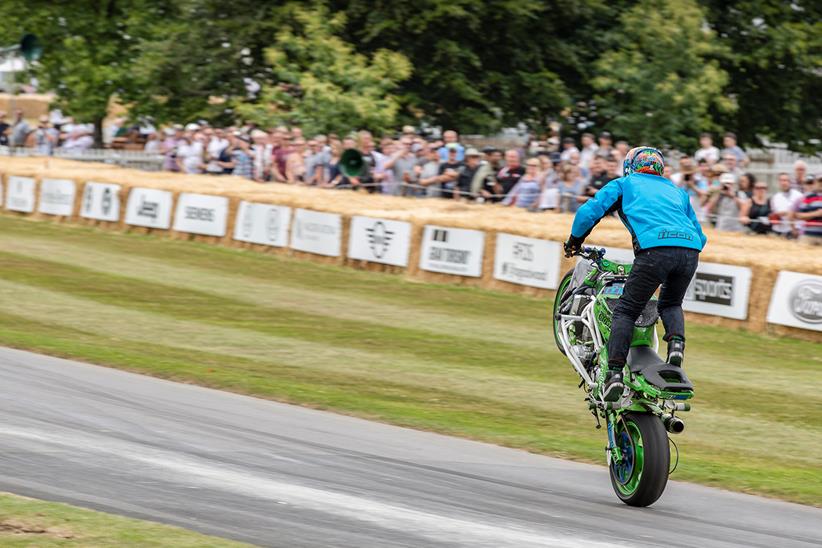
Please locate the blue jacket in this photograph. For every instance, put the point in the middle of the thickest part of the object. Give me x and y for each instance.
(652, 208)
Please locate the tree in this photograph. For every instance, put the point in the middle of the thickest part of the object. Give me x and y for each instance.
(775, 68)
(661, 83)
(89, 48)
(320, 83)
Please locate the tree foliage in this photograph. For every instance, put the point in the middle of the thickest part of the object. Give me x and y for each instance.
(321, 83)
(662, 83)
(657, 71)
(775, 68)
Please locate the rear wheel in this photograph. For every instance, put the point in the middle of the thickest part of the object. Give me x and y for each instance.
(640, 477)
(562, 290)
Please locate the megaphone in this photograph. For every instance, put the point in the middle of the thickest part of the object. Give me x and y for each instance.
(31, 48)
(352, 163)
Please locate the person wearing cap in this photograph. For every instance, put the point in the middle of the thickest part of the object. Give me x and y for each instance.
(667, 241)
(45, 137)
(727, 203)
(451, 138)
(449, 171)
(471, 176)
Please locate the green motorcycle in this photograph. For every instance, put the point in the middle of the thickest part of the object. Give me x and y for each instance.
(638, 452)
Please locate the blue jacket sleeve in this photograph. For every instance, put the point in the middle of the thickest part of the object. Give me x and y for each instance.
(695, 221)
(594, 209)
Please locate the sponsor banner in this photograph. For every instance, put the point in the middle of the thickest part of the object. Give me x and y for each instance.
(719, 290)
(101, 201)
(316, 232)
(57, 196)
(797, 300)
(527, 261)
(201, 214)
(262, 224)
(20, 194)
(379, 240)
(452, 250)
(149, 207)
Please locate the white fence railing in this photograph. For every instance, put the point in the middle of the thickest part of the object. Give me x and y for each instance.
(125, 158)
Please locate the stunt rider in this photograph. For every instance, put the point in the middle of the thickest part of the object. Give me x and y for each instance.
(667, 240)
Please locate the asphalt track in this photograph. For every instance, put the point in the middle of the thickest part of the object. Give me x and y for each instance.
(279, 475)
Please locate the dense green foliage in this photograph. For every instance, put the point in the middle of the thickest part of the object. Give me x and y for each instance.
(751, 66)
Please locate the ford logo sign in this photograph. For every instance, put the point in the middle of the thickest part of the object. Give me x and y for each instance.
(806, 301)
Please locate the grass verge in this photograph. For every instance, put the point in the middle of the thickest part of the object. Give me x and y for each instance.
(456, 360)
(29, 522)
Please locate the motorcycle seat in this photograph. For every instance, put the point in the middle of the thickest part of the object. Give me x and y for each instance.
(642, 360)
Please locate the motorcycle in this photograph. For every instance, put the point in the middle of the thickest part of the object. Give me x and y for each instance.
(638, 423)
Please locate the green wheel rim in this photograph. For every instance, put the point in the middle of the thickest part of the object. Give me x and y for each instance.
(628, 472)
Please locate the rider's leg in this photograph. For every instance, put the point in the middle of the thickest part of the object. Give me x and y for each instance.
(670, 302)
(648, 272)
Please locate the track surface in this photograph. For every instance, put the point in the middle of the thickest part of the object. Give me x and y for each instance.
(278, 475)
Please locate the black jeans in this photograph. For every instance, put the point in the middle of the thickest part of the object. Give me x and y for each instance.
(671, 267)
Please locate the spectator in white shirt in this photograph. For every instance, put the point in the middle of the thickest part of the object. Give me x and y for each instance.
(589, 150)
(569, 148)
(190, 154)
(783, 203)
(707, 151)
(216, 145)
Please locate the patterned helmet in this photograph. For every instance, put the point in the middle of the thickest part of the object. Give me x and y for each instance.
(643, 160)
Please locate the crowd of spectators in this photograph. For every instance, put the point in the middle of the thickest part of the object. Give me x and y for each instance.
(552, 174)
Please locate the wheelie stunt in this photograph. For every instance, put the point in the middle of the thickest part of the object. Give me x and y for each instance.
(605, 317)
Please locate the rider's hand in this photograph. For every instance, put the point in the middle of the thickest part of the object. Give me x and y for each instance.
(572, 246)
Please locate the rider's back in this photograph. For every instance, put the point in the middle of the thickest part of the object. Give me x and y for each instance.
(655, 211)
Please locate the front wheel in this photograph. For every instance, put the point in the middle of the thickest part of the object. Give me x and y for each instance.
(640, 477)
(564, 286)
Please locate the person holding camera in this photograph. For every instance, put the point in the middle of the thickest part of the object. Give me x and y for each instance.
(726, 202)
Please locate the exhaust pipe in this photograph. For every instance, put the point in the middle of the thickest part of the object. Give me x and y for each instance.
(674, 425)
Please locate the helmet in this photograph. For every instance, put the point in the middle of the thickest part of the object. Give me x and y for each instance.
(643, 160)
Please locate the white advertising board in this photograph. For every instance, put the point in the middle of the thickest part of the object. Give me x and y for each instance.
(316, 232)
(262, 224)
(57, 196)
(201, 214)
(719, 290)
(452, 250)
(20, 194)
(379, 240)
(797, 301)
(149, 207)
(101, 201)
(527, 261)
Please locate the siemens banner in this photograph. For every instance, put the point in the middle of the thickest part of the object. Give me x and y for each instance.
(719, 290)
(20, 194)
(201, 214)
(797, 300)
(527, 261)
(101, 201)
(57, 197)
(452, 250)
(262, 224)
(379, 240)
(149, 207)
(316, 232)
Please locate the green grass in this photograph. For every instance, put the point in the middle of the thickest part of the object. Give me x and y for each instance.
(456, 360)
(28, 522)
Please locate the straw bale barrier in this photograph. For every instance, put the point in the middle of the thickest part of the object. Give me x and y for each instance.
(763, 255)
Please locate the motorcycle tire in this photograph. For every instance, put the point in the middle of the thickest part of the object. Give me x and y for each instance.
(564, 286)
(640, 478)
